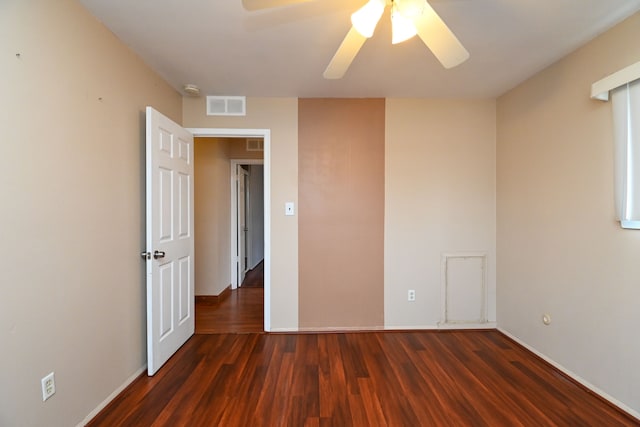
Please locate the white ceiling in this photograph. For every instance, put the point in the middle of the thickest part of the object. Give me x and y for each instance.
(226, 50)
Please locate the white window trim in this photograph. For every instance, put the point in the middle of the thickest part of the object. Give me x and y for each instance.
(600, 89)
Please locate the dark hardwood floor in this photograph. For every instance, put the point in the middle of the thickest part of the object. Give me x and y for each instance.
(254, 277)
(241, 311)
(452, 378)
(232, 374)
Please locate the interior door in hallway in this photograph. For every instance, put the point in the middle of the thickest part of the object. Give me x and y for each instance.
(243, 230)
(170, 238)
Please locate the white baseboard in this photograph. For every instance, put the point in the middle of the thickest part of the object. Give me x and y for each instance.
(112, 396)
(574, 376)
(342, 329)
(283, 330)
(442, 326)
(485, 325)
(439, 326)
(411, 328)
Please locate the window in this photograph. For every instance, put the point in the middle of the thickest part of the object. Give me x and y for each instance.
(626, 121)
(624, 89)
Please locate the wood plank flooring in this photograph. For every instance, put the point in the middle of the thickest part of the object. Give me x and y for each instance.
(449, 378)
(232, 374)
(242, 311)
(254, 277)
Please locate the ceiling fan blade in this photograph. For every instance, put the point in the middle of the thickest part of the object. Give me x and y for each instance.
(439, 38)
(345, 54)
(268, 4)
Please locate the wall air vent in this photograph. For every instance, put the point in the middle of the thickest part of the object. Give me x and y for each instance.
(255, 144)
(226, 106)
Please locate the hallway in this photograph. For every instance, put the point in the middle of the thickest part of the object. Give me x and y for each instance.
(236, 311)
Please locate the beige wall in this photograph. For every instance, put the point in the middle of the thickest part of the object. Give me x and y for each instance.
(341, 213)
(212, 215)
(560, 250)
(280, 115)
(440, 197)
(72, 210)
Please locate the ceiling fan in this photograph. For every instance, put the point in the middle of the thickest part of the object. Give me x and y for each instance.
(408, 18)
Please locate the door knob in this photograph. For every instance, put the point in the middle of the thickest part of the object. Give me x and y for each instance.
(158, 254)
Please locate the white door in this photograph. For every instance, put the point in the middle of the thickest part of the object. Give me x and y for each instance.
(170, 286)
(243, 177)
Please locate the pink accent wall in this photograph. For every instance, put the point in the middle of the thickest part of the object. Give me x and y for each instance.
(341, 213)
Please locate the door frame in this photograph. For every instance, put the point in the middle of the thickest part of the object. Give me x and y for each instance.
(235, 281)
(265, 134)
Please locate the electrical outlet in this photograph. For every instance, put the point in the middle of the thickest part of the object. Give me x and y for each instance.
(48, 386)
(411, 295)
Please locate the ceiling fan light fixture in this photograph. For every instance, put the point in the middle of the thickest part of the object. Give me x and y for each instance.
(365, 19)
(402, 27)
(410, 8)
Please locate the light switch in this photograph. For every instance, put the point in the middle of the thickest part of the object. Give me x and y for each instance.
(288, 209)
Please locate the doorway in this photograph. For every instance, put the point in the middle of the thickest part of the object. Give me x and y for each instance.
(265, 135)
(243, 221)
(247, 217)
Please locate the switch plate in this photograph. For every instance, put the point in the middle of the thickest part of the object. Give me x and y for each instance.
(289, 209)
